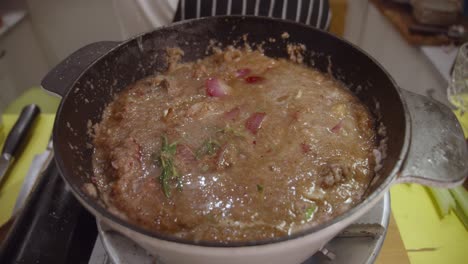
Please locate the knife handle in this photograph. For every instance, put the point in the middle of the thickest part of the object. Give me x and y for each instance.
(20, 130)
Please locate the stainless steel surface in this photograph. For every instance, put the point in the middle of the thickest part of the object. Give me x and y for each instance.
(112, 247)
(328, 254)
(5, 162)
(362, 250)
(38, 165)
(438, 154)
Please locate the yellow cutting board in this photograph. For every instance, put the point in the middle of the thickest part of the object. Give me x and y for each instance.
(427, 238)
(37, 143)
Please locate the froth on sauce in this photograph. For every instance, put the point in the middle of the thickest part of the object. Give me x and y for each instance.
(237, 146)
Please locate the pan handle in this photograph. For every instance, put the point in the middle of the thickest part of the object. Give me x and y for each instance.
(438, 154)
(63, 75)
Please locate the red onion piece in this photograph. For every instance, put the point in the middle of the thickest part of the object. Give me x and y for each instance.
(337, 127)
(254, 122)
(185, 154)
(254, 79)
(295, 115)
(242, 72)
(216, 87)
(232, 114)
(305, 148)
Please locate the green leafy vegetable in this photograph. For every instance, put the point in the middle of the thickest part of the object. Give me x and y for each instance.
(443, 199)
(310, 211)
(461, 197)
(455, 199)
(259, 188)
(166, 162)
(462, 216)
(209, 147)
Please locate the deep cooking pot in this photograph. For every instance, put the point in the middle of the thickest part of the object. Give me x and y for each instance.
(423, 140)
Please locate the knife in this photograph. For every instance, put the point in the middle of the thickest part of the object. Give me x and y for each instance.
(16, 137)
(38, 166)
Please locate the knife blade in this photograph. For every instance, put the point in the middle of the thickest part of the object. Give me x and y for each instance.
(38, 166)
(15, 138)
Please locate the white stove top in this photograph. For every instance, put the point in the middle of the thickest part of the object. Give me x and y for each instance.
(113, 248)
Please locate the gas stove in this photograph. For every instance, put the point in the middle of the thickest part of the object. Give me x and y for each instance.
(54, 228)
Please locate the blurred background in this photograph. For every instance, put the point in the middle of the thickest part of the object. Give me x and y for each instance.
(36, 35)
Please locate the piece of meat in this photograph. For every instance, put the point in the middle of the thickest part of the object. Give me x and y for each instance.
(126, 160)
(184, 158)
(199, 71)
(226, 156)
(332, 174)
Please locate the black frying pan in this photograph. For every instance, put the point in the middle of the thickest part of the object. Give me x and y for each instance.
(90, 77)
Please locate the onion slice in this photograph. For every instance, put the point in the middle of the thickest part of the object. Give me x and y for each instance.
(254, 79)
(233, 114)
(337, 127)
(254, 122)
(240, 73)
(216, 87)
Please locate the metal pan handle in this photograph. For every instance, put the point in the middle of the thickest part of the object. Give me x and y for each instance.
(438, 154)
(63, 75)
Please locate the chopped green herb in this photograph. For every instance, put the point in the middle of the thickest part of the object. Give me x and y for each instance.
(166, 162)
(230, 130)
(309, 213)
(211, 218)
(259, 188)
(209, 148)
(205, 168)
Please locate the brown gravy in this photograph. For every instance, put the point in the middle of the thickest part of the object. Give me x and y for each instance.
(235, 147)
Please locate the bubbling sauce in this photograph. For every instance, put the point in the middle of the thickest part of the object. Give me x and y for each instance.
(235, 147)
